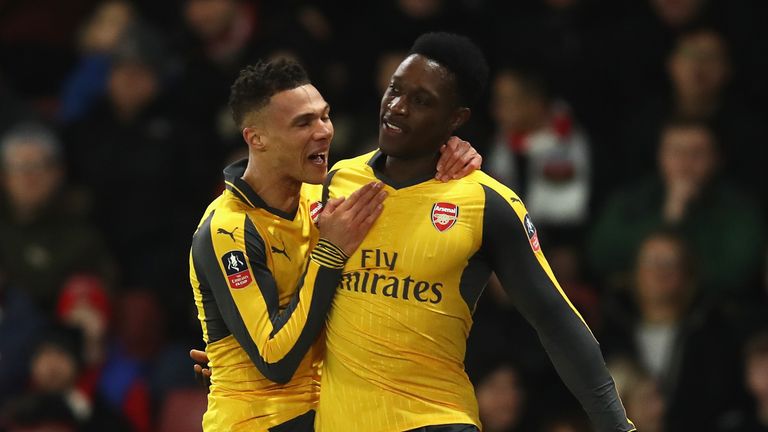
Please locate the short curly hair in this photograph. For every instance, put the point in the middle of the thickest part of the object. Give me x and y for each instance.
(461, 57)
(259, 82)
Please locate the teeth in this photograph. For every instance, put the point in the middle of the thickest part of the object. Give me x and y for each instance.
(391, 126)
(320, 157)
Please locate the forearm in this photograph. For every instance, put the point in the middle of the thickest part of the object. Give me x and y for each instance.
(577, 358)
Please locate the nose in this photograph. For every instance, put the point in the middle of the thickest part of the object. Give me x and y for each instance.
(324, 130)
(398, 105)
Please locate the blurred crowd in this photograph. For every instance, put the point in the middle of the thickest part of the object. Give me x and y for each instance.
(635, 131)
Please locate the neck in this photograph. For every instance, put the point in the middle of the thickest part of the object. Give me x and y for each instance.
(696, 106)
(660, 313)
(280, 192)
(400, 170)
(25, 214)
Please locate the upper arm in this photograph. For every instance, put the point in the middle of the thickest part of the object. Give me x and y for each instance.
(236, 269)
(511, 244)
(236, 272)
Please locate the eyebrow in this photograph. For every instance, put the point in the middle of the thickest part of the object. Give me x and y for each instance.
(308, 115)
(424, 90)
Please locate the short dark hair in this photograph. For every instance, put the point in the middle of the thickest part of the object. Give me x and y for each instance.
(259, 82)
(461, 57)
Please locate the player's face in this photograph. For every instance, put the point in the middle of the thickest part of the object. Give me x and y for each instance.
(298, 134)
(418, 110)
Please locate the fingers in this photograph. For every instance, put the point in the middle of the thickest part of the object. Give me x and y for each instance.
(333, 204)
(470, 162)
(198, 356)
(366, 209)
(448, 156)
(456, 155)
(361, 197)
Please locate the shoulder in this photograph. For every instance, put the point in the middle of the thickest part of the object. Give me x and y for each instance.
(224, 214)
(499, 202)
(491, 187)
(355, 162)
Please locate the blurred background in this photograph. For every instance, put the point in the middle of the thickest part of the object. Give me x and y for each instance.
(636, 131)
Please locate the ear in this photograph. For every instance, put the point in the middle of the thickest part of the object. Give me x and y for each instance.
(460, 116)
(254, 137)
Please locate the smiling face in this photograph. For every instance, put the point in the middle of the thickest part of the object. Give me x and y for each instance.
(293, 133)
(419, 109)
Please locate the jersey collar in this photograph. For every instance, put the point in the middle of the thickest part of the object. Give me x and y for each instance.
(233, 180)
(377, 161)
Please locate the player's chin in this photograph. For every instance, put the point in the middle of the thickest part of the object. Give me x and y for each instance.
(315, 174)
(391, 146)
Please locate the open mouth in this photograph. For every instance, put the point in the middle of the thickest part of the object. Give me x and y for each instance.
(391, 127)
(318, 158)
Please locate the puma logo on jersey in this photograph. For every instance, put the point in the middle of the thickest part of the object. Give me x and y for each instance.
(230, 234)
(282, 251)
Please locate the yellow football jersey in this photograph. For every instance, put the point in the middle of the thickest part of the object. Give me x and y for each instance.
(262, 300)
(396, 334)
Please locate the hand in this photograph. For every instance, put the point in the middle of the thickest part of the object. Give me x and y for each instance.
(458, 159)
(679, 193)
(202, 374)
(345, 222)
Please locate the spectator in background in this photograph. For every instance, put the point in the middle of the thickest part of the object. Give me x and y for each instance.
(539, 151)
(640, 393)
(641, 36)
(42, 222)
(84, 304)
(53, 400)
(221, 37)
(97, 40)
(699, 69)
(36, 49)
(754, 416)
(501, 399)
(720, 221)
(133, 155)
(683, 344)
(646, 406)
(20, 326)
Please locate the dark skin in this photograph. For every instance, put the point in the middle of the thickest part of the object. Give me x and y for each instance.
(419, 111)
(422, 102)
